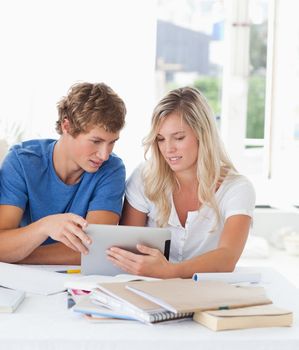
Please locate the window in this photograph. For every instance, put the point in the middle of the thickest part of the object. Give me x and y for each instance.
(220, 47)
(189, 47)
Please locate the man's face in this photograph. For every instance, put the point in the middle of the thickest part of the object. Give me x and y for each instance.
(90, 150)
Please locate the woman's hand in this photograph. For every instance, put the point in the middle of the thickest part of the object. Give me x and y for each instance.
(152, 264)
(68, 229)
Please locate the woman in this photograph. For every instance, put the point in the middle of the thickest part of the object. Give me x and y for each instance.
(190, 186)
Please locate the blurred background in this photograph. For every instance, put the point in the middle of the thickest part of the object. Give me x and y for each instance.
(242, 54)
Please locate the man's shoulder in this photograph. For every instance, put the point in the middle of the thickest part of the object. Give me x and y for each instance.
(113, 163)
(38, 147)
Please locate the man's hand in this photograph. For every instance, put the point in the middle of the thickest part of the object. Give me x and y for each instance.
(68, 229)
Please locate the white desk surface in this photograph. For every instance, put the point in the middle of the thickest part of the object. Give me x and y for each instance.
(44, 322)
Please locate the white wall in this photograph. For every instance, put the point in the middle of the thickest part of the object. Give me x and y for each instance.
(46, 46)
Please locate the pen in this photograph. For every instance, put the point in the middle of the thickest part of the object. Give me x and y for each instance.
(70, 271)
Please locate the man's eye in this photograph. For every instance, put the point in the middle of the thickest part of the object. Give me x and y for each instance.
(95, 142)
(160, 140)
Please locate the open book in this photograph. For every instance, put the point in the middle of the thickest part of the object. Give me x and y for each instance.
(119, 299)
(246, 317)
(186, 295)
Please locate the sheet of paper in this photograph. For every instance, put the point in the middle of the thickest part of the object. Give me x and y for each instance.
(91, 282)
(31, 280)
(229, 277)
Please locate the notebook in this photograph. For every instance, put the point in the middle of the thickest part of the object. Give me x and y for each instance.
(118, 298)
(186, 295)
(126, 237)
(10, 299)
(246, 317)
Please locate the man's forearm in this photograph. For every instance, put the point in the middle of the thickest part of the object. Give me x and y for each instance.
(53, 254)
(17, 243)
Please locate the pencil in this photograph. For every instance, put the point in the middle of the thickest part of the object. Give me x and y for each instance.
(70, 271)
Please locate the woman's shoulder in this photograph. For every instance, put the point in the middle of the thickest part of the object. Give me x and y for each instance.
(137, 172)
(236, 182)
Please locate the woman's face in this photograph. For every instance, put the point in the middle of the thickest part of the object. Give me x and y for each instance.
(177, 143)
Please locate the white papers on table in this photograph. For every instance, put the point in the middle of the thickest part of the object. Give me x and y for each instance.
(31, 280)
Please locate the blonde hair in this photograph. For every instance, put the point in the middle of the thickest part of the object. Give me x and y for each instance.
(213, 164)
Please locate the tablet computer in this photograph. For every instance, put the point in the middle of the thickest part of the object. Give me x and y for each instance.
(126, 237)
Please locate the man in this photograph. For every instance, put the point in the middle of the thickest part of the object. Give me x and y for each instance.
(51, 189)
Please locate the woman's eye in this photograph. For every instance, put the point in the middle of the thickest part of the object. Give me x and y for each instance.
(180, 138)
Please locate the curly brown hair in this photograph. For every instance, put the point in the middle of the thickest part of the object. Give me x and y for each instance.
(88, 105)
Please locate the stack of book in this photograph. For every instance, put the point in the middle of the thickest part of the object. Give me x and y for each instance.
(215, 304)
(114, 300)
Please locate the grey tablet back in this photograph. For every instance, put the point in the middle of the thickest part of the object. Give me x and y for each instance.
(126, 237)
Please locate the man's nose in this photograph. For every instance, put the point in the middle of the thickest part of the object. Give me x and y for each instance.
(103, 153)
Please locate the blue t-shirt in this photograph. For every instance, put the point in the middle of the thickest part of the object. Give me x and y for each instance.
(28, 180)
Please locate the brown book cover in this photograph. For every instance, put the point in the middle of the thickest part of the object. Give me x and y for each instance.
(186, 295)
(117, 297)
(246, 317)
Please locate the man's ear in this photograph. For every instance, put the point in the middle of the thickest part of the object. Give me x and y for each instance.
(65, 126)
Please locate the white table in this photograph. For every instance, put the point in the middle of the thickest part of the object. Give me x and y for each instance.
(286, 264)
(45, 323)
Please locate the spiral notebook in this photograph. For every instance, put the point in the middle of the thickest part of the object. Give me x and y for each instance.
(116, 297)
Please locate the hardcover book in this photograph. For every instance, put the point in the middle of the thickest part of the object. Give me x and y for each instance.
(247, 317)
(186, 295)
